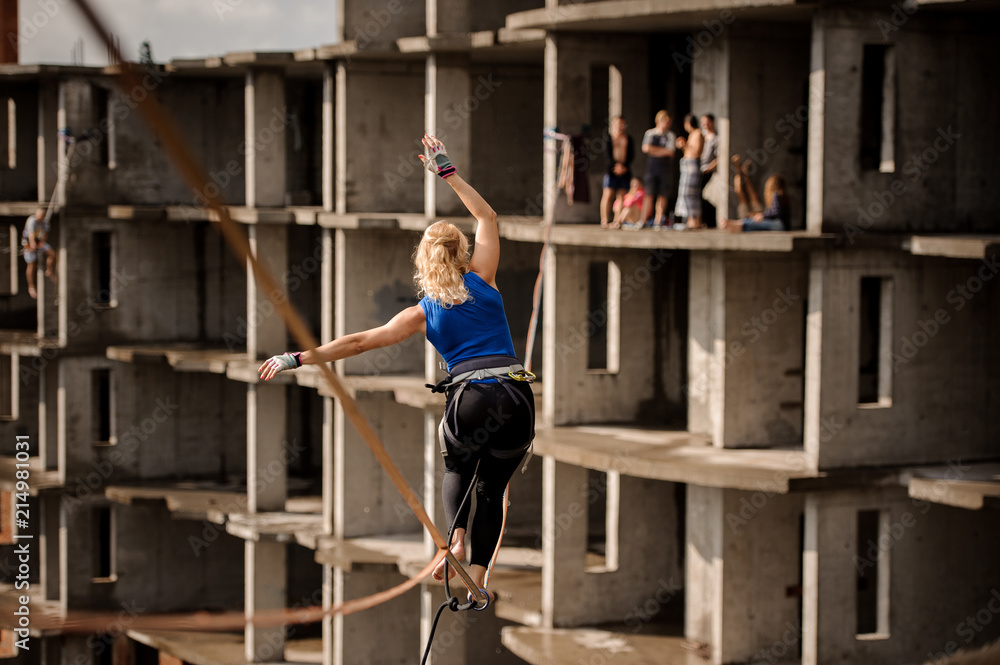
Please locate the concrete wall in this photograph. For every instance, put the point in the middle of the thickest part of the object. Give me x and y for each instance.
(765, 315)
(368, 502)
(190, 288)
(745, 386)
(571, 97)
(649, 559)
(743, 567)
(167, 425)
(385, 121)
(381, 20)
(147, 538)
(754, 78)
(377, 265)
(21, 182)
(576, 394)
(938, 183)
(386, 634)
(941, 381)
(492, 15)
(504, 108)
(942, 575)
(24, 387)
(144, 175)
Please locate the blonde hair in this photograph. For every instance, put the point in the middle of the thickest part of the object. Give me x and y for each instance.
(775, 186)
(440, 260)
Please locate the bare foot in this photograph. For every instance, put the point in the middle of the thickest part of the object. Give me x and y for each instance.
(33, 293)
(458, 549)
(731, 225)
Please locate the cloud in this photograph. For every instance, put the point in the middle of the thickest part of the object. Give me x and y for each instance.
(175, 28)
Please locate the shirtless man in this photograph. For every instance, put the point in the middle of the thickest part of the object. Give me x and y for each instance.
(618, 175)
(689, 190)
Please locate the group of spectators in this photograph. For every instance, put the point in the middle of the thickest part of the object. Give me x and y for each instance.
(628, 202)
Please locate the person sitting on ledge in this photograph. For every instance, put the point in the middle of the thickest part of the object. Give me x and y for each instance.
(773, 218)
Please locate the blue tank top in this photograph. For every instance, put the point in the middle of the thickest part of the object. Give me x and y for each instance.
(478, 327)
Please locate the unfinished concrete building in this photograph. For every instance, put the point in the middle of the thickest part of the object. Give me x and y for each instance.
(766, 447)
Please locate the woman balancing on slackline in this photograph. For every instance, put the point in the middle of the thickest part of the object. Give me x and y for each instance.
(462, 314)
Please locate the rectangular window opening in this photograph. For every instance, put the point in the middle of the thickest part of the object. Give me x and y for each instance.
(102, 109)
(872, 569)
(104, 551)
(103, 268)
(875, 342)
(10, 387)
(878, 108)
(603, 502)
(103, 417)
(603, 322)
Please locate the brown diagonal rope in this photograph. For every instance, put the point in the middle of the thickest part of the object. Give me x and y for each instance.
(194, 173)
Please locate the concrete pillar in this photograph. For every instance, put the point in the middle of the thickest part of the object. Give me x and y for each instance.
(813, 405)
(340, 139)
(329, 135)
(707, 346)
(448, 85)
(447, 16)
(267, 472)
(564, 535)
(331, 643)
(550, 163)
(266, 334)
(266, 120)
(265, 589)
(742, 569)
(48, 138)
(817, 126)
(265, 561)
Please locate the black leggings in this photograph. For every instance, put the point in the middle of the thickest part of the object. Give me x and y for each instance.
(490, 422)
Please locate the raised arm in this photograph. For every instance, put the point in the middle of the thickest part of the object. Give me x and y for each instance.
(402, 326)
(486, 256)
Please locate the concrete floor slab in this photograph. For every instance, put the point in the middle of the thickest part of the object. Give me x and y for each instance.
(553, 646)
(961, 486)
(957, 247)
(219, 648)
(183, 357)
(303, 528)
(676, 456)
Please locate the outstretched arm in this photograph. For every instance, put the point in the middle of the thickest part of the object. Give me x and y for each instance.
(402, 326)
(486, 256)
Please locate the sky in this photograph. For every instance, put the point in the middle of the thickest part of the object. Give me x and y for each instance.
(175, 28)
